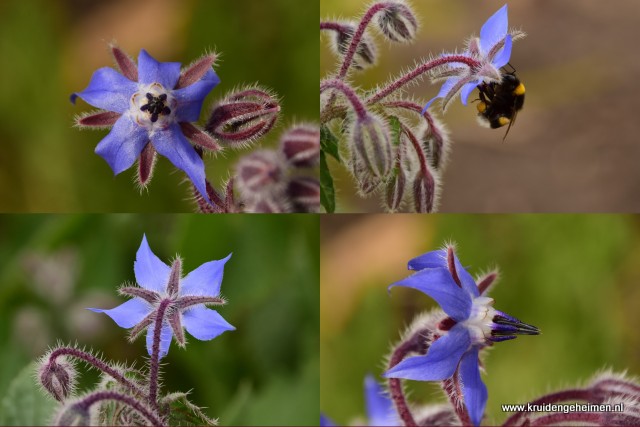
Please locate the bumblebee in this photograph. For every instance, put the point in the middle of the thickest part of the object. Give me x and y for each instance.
(500, 102)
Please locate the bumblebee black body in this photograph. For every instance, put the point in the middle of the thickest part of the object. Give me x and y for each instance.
(500, 102)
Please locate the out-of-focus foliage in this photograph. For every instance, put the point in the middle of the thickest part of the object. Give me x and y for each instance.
(265, 372)
(24, 403)
(50, 49)
(573, 276)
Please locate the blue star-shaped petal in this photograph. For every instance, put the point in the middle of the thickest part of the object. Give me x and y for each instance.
(492, 50)
(154, 104)
(180, 302)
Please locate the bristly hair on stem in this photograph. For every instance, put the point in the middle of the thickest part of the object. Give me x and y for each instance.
(463, 71)
(63, 356)
(165, 304)
(605, 388)
(416, 339)
(153, 108)
(272, 180)
(373, 153)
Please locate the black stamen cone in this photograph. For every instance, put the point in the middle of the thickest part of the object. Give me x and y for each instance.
(507, 325)
(156, 106)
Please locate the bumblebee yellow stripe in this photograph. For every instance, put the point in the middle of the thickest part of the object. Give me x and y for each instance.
(519, 90)
(503, 121)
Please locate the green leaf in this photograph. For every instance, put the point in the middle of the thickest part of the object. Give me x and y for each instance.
(329, 142)
(185, 413)
(327, 192)
(286, 400)
(25, 404)
(236, 408)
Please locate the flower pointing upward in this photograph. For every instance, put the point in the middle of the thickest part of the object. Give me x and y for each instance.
(150, 107)
(491, 50)
(472, 325)
(178, 302)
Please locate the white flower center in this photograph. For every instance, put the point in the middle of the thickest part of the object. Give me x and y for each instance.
(480, 319)
(153, 107)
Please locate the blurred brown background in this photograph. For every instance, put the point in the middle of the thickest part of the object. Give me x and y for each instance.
(574, 147)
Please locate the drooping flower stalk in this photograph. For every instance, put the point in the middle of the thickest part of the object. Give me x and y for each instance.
(83, 406)
(418, 72)
(477, 66)
(348, 92)
(96, 363)
(417, 344)
(357, 37)
(424, 184)
(433, 138)
(165, 304)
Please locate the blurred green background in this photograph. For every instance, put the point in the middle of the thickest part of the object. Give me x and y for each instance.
(574, 147)
(265, 372)
(50, 49)
(574, 276)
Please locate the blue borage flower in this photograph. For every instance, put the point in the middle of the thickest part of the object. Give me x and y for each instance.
(492, 50)
(153, 104)
(472, 325)
(179, 301)
(380, 409)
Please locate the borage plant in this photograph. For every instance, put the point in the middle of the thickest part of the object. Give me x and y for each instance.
(391, 143)
(446, 345)
(153, 108)
(163, 305)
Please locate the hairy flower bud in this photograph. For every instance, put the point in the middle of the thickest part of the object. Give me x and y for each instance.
(395, 190)
(424, 196)
(371, 146)
(365, 54)
(57, 377)
(608, 385)
(304, 192)
(73, 414)
(301, 145)
(434, 139)
(260, 173)
(268, 205)
(397, 22)
(243, 117)
(367, 183)
(437, 415)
